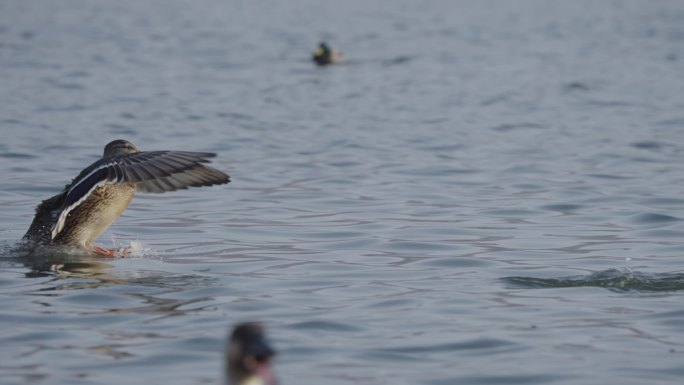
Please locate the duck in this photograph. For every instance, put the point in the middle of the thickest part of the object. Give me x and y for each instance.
(95, 199)
(325, 55)
(249, 356)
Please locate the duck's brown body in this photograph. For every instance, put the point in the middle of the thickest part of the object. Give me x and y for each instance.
(100, 210)
(99, 195)
(85, 223)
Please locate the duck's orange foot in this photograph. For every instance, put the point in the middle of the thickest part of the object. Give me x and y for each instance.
(109, 253)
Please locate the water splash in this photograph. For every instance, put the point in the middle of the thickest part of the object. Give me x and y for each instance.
(612, 279)
(138, 250)
(134, 249)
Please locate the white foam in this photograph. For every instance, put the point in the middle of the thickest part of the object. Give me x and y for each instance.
(137, 249)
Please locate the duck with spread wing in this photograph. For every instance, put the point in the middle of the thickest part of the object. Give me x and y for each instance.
(100, 193)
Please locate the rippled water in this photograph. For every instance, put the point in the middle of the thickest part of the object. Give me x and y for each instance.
(486, 192)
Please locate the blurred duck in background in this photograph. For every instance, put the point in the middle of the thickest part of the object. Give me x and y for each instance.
(325, 55)
(248, 356)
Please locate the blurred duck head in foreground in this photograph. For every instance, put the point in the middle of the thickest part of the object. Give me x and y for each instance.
(249, 356)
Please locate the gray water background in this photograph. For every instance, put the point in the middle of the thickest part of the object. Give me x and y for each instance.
(486, 192)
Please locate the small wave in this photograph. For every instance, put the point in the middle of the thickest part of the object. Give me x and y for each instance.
(649, 145)
(652, 218)
(612, 279)
(16, 155)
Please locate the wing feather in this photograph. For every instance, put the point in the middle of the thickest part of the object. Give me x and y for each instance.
(151, 171)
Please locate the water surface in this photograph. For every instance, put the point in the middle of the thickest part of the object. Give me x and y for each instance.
(484, 193)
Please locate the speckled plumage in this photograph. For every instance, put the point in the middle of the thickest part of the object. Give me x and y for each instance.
(101, 192)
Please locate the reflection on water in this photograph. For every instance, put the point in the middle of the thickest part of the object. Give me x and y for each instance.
(63, 261)
(613, 279)
(45, 261)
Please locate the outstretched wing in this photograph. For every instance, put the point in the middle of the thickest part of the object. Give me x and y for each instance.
(151, 171)
(162, 171)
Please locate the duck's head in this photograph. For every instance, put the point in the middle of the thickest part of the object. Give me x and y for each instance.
(119, 147)
(248, 356)
(323, 49)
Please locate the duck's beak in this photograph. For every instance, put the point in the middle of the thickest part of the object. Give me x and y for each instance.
(261, 368)
(265, 371)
